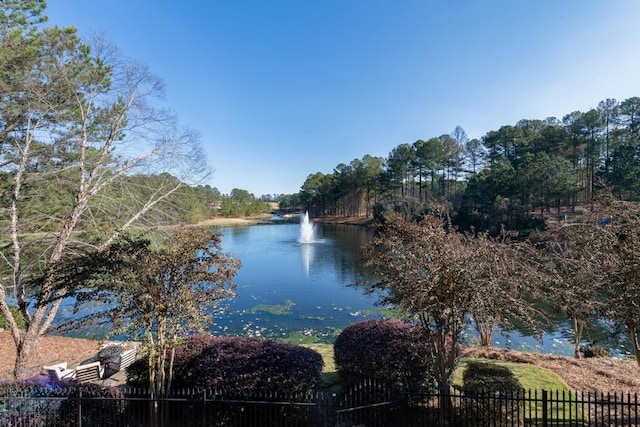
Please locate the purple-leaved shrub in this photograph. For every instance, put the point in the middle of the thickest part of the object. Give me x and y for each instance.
(245, 365)
(238, 365)
(185, 354)
(109, 400)
(390, 351)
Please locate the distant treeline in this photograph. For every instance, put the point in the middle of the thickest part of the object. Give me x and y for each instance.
(514, 175)
(188, 204)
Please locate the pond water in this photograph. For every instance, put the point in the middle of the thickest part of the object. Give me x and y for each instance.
(303, 292)
(287, 289)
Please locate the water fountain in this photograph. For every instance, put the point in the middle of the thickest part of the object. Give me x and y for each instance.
(307, 230)
(306, 239)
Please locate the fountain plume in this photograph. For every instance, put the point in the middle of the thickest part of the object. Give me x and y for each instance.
(307, 230)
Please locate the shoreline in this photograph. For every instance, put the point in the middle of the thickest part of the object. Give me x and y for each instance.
(230, 221)
(264, 219)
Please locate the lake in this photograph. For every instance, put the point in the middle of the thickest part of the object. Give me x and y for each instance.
(287, 289)
(303, 292)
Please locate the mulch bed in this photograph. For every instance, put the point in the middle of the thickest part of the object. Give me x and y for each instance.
(53, 349)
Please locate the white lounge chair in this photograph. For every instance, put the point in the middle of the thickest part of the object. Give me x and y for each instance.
(59, 373)
(123, 361)
(89, 372)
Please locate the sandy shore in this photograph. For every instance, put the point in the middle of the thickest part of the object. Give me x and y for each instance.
(227, 221)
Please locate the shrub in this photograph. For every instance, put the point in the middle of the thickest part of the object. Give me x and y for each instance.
(480, 377)
(593, 350)
(238, 365)
(244, 365)
(484, 383)
(390, 351)
(185, 354)
(138, 373)
(109, 400)
(18, 409)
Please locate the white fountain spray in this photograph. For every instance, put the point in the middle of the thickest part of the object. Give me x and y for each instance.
(307, 230)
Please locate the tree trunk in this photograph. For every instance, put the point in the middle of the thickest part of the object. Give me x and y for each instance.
(29, 341)
(578, 327)
(485, 331)
(633, 331)
(170, 375)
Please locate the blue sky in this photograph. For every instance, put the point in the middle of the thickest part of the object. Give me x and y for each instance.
(280, 89)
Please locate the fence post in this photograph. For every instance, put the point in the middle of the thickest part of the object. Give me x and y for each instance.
(80, 408)
(403, 401)
(545, 421)
(204, 407)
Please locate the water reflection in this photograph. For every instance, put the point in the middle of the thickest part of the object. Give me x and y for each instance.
(311, 280)
(286, 288)
(306, 253)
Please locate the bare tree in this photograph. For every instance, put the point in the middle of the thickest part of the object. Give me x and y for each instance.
(619, 223)
(579, 252)
(89, 119)
(438, 275)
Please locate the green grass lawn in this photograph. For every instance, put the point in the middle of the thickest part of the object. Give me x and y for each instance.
(534, 379)
(530, 377)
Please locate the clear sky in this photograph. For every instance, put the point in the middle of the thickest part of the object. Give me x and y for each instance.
(280, 89)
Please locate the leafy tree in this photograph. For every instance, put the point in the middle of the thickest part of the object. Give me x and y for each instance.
(553, 138)
(602, 142)
(493, 194)
(507, 142)
(550, 178)
(372, 174)
(318, 193)
(157, 295)
(242, 203)
(453, 160)
(474, 154)
(430, 160)
(624, 171)
(78, 118)
(400, 166)
(608, 111)
(630, 118)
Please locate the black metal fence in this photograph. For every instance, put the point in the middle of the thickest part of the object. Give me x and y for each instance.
(368, 404)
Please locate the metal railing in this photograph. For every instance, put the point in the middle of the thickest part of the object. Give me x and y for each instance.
(368, 404)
